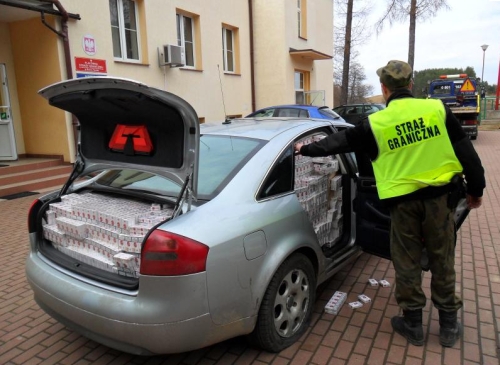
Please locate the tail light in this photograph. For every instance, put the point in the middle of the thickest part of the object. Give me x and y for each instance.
(168, 254)
(32, 214)
(470, 121)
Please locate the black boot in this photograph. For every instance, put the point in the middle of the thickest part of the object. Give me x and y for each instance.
(410, 326)
(449, 328)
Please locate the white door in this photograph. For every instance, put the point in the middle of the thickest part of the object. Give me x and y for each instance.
(7, 139)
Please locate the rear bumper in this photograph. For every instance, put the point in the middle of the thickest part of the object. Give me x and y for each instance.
(169, 315)
(470, 130)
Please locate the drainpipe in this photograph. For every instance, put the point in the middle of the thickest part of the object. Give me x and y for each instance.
(67, 55)
(252, 76)
(63, 34)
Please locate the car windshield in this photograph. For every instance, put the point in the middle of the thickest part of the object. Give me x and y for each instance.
(221, 157)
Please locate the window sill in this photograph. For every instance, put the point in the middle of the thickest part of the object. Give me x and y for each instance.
(190, 69)
(231, 73)
(132, 63)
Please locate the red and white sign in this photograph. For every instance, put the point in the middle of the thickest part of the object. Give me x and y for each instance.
(90, 65)
(89, 45)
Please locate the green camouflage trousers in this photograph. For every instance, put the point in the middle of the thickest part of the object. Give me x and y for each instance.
(425, 224)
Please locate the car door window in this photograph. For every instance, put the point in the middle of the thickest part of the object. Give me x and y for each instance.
(304, 114)
(264, 113)
(370, 109)
(340, 111)
(289, 113)
(280, 178)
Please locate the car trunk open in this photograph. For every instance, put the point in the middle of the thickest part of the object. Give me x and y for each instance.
(125, 128)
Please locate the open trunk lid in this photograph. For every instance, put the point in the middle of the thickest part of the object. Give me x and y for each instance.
(126, 124)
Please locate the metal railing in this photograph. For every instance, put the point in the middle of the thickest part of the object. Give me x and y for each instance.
(487, 103)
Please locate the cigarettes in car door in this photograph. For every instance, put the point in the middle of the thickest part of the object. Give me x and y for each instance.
(355, 305)
(373, 282)
(384, 283)
(363, 298)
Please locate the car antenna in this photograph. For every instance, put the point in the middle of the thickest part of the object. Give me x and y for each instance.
(226, 120)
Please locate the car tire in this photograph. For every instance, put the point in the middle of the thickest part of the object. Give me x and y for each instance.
(286, 308)
(473, 137)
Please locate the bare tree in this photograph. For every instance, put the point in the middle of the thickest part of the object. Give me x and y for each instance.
(347, 51)
(350, 30)
(357, 89)
(416, 10)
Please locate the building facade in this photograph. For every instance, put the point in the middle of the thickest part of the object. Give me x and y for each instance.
(225, 57)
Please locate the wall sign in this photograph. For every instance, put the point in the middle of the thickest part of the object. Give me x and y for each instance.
(90, 65)
(89, 45)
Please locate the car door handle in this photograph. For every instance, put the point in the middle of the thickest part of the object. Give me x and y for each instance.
(368, 183)
(378, 213)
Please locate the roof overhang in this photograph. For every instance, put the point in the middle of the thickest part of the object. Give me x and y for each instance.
(309, 54)
(41, 6)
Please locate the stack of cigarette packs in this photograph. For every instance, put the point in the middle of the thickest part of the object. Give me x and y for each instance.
(102, 231)
(319, 189)
(335, 303)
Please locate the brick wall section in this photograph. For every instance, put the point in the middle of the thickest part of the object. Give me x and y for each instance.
(361, 336)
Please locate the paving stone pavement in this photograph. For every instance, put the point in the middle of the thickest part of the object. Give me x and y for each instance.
(360, 336)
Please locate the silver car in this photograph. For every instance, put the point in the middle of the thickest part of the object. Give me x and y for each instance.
(170, 236)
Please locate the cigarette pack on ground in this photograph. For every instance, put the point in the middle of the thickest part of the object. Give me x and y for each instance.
(373, 282)
(363, 298)
(384, 283)
(355, 305)
(335, 303)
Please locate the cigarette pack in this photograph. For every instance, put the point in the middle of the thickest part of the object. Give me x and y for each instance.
(355, 305)
(335, 303)
(363, 298)
(373, 282)
(384, 283)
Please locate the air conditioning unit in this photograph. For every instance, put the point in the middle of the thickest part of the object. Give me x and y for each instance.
(171, 55)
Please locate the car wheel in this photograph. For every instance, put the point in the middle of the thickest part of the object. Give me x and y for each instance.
(473, 137)
(286, 308)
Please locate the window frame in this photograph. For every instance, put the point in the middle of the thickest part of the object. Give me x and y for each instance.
(302, 19)
(225, 51)
(287, 153)
(299, 17)
(122, 32)
(181, 37)
(299, 89)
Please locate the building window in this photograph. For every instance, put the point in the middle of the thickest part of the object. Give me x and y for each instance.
(302, 18)
(228, 49)
(299, 87)
(231, 49)
(185, 37)
(124, 29)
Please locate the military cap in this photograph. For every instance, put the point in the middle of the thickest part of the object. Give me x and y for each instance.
(395, 74)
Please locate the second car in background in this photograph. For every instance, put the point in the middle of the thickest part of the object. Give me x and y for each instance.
(353, 113)
(297, 111)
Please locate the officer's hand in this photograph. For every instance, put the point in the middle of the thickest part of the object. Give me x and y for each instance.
(474, 201)
(297, 147)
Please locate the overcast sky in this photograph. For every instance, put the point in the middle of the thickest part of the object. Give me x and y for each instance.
(452, 38)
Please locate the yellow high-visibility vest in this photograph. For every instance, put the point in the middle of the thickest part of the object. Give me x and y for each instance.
(414, 148)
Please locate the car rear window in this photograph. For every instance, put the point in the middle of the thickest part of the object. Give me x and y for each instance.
(221, 157)
(330, 114)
